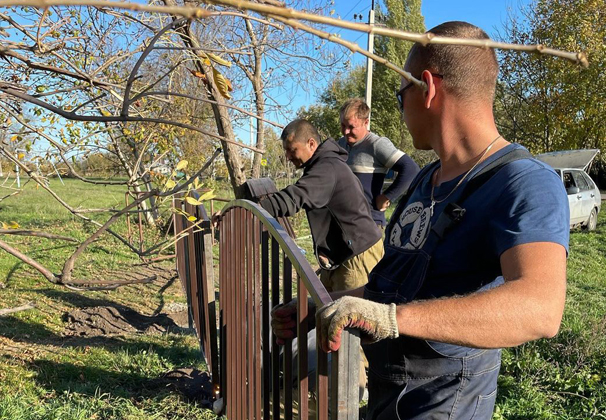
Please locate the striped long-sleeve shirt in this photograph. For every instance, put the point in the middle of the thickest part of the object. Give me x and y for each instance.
(370, 159)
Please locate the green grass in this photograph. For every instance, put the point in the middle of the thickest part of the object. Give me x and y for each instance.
(563, 378)
(46, 375)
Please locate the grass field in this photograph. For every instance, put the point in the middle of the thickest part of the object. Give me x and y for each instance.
(45, 374)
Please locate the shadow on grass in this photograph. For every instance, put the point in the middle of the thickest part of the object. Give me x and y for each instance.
(175, 350)
(95, 380)
(9, 276)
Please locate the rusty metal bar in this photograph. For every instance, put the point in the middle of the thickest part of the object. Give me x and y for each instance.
(238, 266)
(258, 325)
(225, 283)
(187, 278)
(275, 349)
(250, 316)
(242, 324)
(193, 275)
(223, 258)
(302, 359)
(232, 400)
(322, 385)
(265, 303)
(288, 377)
(210, 305)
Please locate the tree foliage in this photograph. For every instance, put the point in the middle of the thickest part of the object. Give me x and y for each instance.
(543, 102)
(385, 118)
(386, 121)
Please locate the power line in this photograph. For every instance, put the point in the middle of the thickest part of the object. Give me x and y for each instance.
(356, 5)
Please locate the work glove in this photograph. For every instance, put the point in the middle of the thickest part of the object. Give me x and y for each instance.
(376, 321)
(284, 319)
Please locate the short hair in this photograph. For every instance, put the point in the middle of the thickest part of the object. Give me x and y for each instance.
(468, 72)
(300, 130)
(357, 106)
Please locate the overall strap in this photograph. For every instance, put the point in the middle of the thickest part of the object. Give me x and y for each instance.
(454, 212)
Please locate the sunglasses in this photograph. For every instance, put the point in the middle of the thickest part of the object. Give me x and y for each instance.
(400, 93)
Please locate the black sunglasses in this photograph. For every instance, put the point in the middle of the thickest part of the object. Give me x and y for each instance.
(400, 93)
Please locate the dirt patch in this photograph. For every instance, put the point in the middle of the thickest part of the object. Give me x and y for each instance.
(110, 320)
(194, 384)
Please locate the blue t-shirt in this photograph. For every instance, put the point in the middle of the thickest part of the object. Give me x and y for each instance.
(523, 202)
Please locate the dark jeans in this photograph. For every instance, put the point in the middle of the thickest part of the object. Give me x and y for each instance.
(418, 380)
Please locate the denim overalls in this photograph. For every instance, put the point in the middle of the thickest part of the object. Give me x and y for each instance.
(417, 379)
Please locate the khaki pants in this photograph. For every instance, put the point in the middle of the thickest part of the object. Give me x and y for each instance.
(354, 272)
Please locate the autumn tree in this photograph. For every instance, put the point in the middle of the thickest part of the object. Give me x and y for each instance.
(385, 118)
(543, 103)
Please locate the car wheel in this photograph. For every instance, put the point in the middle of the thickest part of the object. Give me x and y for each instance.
(592, 222)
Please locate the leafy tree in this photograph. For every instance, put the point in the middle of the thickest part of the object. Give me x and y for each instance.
(325, 115)
(386, 121)
(385, 118)
(543, 102)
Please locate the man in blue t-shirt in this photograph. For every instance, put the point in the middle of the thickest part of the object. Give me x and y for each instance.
(475, 254)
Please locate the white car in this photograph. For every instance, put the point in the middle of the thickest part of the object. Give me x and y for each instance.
(583, 195)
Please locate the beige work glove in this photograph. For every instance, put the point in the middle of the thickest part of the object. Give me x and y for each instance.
(284, 319)
(376, 321)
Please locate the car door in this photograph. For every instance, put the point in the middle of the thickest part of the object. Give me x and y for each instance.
(587, 194)
(595, 192)
(574, 198)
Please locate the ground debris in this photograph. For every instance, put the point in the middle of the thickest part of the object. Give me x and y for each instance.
(194, 384)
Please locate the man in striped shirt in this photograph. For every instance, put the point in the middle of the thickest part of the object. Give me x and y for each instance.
(371, 157)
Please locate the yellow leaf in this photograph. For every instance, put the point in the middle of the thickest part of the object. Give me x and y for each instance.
(192, 218)
(14, 225)
(15, 137)
(193, 201)
(221, 83)
(219, 60)
(181, 165)
(170, 184)
(208, 195)
(105, 113)
(20, 156)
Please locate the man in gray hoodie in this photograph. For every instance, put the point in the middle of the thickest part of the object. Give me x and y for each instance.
(347, 242)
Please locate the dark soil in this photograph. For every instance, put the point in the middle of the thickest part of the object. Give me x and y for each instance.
(117, 320)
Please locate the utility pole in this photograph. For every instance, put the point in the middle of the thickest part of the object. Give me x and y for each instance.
(369, 62)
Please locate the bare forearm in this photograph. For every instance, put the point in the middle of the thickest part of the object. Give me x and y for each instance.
(506, 316)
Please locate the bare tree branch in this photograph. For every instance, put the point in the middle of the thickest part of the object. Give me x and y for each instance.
(8, 311)
(25, 232)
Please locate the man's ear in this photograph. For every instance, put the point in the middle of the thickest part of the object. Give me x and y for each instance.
(430, 93)
(313, 144)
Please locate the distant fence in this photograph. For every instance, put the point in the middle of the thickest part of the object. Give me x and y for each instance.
(258, 261)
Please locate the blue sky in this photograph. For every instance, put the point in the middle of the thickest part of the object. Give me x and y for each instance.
(489, 15)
